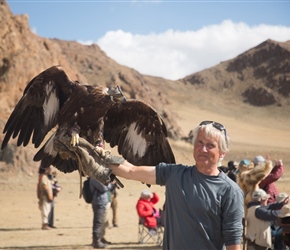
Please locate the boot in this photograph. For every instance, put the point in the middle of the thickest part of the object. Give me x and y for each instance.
(97, 243)
(45, 226)
(103, 240)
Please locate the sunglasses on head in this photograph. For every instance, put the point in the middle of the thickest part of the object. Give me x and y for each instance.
(217, 125)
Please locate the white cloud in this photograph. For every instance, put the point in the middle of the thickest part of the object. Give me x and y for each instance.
(175, 54)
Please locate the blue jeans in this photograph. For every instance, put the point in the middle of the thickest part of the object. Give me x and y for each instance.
(99, 211)
(276, 232)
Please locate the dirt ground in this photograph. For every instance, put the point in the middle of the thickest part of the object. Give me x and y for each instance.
(20, 219)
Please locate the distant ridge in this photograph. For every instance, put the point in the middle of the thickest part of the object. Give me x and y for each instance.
(259, 76)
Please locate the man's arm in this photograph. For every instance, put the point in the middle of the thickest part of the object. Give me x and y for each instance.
(233, 247)
(146, 174)
(275, 174)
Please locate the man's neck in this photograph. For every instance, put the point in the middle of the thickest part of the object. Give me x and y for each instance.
(212, 171)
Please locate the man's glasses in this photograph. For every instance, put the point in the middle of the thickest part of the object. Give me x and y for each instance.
(217, 125)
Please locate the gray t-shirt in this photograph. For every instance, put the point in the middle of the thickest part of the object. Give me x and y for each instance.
(201, 211)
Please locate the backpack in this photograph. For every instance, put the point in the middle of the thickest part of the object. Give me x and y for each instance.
(87, 193)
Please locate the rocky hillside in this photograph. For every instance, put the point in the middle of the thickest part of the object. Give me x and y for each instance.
(258, 77)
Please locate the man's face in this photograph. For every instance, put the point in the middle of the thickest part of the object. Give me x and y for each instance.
(206, 151)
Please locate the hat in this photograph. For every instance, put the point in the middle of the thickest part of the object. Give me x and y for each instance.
(258, 159)
(259, 195)
(285, 211)
(280, 197)
(145, 194)
(245, 162)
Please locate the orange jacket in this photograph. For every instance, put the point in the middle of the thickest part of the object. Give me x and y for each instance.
(146, 210)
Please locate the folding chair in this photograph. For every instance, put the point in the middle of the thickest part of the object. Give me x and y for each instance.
(145, 235)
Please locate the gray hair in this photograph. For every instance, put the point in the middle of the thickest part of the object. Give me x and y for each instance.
(212, 132)
(145, 194)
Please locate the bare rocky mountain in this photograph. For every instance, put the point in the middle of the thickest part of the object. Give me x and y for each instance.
(259, 78)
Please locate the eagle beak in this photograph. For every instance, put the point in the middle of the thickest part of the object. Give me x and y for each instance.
(122, 97)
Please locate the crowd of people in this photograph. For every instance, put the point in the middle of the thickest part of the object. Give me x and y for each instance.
(263, 213)
(205, 205)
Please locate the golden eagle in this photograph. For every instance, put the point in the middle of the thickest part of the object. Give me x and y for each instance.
(51, 100)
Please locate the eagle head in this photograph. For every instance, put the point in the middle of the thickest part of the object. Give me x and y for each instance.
(116, 94)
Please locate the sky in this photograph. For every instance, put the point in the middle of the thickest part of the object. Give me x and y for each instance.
(169, 39)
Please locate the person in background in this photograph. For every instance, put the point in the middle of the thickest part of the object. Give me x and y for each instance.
(45, 196)
(114, 203)
(146, 210)
(260, 217)
(101, 204)
(204, 209)
(232, 170)
(276, 227)
(268, 184)
(55, 190)
(285, 224)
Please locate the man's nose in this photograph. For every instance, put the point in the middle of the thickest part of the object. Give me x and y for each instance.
(203, 148)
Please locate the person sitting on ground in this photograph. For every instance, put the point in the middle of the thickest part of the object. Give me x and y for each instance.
(147, 211)
(268, 184)
(259, 218)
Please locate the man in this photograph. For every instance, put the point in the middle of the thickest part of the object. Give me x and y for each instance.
(204, 209)
(100, 204)
(114, 203)
(258, 219)
(45, 196)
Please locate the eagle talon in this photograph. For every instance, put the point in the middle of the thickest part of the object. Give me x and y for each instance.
(74, 131)
(74, 139)
(101, 151)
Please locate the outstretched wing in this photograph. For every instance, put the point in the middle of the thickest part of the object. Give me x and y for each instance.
(38, 110)
(139, 132)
